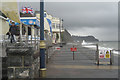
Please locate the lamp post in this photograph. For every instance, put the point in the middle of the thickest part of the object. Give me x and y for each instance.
(42, 41)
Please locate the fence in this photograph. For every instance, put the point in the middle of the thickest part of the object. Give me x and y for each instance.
(93, 54)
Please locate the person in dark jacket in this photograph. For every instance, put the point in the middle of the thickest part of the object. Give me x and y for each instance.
(12, 32)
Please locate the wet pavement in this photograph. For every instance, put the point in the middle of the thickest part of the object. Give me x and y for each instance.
(62, 65)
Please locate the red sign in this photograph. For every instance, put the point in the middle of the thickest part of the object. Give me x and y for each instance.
(73, 49)
(101, 56)
(57, 48)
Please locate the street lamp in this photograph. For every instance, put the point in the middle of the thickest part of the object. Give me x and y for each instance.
(42, 41)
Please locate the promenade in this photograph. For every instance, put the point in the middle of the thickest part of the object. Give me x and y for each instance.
(62, 65)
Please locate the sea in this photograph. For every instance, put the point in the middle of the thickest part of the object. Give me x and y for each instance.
(104, 45)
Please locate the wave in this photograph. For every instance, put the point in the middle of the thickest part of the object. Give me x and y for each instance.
(93, 46)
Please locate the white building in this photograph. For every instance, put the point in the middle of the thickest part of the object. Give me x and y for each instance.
(57, 29)
(52, 26)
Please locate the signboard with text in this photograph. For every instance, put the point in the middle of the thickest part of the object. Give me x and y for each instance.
(104, 54)
(101, 54)
(107, 54)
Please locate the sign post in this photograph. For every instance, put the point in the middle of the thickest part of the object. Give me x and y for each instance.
(73, 55)
(111, 57)
(104, 54)
(73, 50)
(97, 54)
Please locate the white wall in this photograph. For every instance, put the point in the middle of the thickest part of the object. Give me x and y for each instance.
(4, 28)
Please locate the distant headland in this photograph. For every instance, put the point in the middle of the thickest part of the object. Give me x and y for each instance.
(86, 38)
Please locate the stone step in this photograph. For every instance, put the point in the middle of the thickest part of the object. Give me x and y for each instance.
(4, 68)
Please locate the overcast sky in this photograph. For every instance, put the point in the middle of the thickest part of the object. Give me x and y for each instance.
(99, 19)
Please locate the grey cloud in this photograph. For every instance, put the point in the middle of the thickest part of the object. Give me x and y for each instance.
(89, 18)
(85, 14)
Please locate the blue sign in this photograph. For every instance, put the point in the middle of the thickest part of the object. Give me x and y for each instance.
(28, 21)
(32, 22)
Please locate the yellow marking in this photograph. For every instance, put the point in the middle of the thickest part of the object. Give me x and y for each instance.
(42, 69)
(103, 62)
(85, 67)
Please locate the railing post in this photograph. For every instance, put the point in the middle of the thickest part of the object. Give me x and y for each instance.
(31, 34)
(20, 32)
(27, 34)
(35, 36)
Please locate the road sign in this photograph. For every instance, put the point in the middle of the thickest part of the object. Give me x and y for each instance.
(57, 48)
(101, 54)
(107, 54)
(73, 49)
(104, 54)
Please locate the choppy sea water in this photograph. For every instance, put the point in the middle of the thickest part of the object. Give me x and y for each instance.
(108, 45)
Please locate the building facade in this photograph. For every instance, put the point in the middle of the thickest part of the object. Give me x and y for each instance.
(55, 28)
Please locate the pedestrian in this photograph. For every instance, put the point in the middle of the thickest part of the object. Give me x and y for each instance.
(8, 35)
(12, 32)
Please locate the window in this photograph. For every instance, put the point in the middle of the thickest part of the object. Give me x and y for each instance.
(53, 25)
(57, 26)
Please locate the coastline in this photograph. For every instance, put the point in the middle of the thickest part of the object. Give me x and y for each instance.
(107, 45)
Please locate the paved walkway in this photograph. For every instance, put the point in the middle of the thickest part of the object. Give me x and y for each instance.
(62, 65)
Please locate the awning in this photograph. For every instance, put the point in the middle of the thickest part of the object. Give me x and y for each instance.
(10, 9)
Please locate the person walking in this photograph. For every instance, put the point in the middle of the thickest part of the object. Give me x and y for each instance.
(12, 32)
